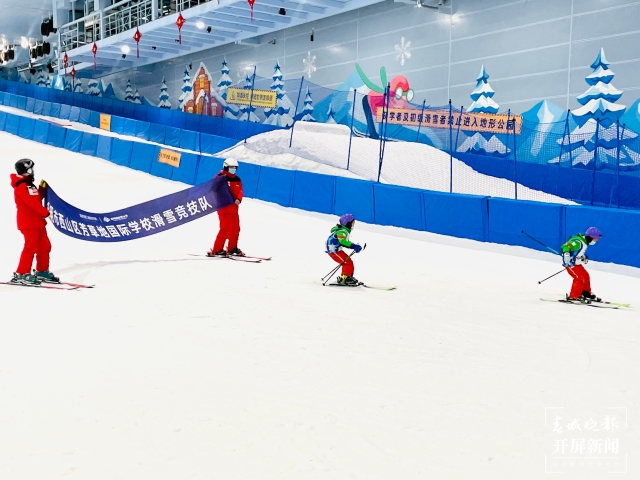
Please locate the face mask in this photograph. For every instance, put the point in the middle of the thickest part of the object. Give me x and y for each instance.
(593, 241)
(233, 170)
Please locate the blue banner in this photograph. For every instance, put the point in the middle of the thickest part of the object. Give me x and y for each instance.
(140, 220)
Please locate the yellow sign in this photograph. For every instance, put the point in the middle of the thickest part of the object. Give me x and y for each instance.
(476, 122)
(105, 122)
(261, 98)
(169, 157)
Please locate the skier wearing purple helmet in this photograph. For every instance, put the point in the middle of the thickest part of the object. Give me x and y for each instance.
(574, 258)
(339, 239)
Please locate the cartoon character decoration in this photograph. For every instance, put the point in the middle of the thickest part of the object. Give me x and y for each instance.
(399, 97)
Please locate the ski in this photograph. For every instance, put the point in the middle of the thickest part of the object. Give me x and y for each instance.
(616, 304)
(75, 285)
(257, 258)
(48, 286)
(232, 257)
(592, 304)
(361, 284)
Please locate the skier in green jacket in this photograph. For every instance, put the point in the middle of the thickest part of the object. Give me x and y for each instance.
(574, 258)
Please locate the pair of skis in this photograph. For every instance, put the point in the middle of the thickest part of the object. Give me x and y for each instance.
(235, 258)
(592, 303)
(51, 286)
(361, 284)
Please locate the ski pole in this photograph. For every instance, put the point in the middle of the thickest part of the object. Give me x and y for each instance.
(550, 276)
(326, 278)
(538, 241)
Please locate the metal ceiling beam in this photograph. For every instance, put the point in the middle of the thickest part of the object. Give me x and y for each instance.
(104, 61)
(260, 14)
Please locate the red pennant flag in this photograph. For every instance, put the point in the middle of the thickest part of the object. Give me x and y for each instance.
(251, 2)
(137, 36)
(65, 61)
(73, 78)
(180, 22)
(94, 50)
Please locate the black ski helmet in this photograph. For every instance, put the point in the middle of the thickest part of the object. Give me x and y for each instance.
(24, 167)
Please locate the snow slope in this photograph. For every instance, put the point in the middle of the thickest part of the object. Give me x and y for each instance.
(185, 367)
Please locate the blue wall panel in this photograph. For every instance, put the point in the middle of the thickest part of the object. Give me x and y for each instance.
(155, 167)
(89, 143)
(107, 106)
(2, 97)
(142, 130)
(250, 175)
(618, 228)
(465, 216)
(103, 150)
(190, 140)
(398, 206)
(3, 120)
(31, 103)
(74, 114)
(192, 122)
(544, 221)
(56, 136)
(25, 130)
(46, 109)
(355, 197)
(37, 108)
(94, 119)
(65, 111)
(275, 185)
(13, 123)
(314, 192)
(157, 133)
(186, 173)
(73, 140)
(21, 102)
(172, 137)
(55, 110)
(208, 143)
(121, 152)
(208, 167)
(85, 116)
(41, 131)
(130, 127)
(142, 156)
(117, 124)
(13, 101)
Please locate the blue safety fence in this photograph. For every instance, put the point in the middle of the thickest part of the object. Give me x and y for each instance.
(482, 218)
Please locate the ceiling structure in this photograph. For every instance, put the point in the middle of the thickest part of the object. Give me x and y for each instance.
(23, 18)
(209, 24)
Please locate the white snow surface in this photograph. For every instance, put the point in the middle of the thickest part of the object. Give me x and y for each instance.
(184, 367)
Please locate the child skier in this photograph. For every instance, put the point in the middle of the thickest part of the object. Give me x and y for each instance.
(573, 258)
(340, 238)
(32, 224)
(229, 218)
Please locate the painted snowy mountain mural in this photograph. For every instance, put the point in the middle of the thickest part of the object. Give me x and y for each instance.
(280, 115)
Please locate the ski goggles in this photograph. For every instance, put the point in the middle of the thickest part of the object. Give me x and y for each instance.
(401, 93)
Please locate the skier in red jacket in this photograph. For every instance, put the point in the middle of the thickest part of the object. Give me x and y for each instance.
(229, 218)
(32, 224)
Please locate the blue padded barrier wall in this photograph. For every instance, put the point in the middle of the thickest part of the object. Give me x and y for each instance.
(464, 216)
(157, 133)
(31, 103)
(2, 97)
(117, 124)
(142, 130)
(73, 140)
(356, 197)
(12, 125)
(207, 143)
(128, 109)
(37, 108)
(172, 137)
(618, 228)
(94, 119)
(41, 131)
(208, 167)
(314, 192)
(74, 114)
(21, 102)
(190, 140)
(89, 143)
(65, 111)
(107, 106)
(250, 175)
(121, 151)
(46, 109)
(129, 127)
(275, 185)
(13, 101)
(25, 130)
(143, 156)
(186, 173)
(3, 120)
(155, 167)
(56, 136)
(103, 149)
(55, 110)
(85, 116)
(544, 221)
(398, 206)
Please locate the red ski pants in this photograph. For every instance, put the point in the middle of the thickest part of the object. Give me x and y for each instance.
(36, 243)
(229, 230)
(581, 281)
(347, 266)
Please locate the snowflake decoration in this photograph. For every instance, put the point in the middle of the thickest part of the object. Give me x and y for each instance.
(309, 64)
(403, 51)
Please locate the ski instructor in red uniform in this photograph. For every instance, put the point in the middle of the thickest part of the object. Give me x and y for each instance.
(229, 218)
(32, 224)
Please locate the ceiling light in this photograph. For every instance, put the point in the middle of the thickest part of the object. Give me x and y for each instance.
(208, 29)
(125, 49)
(200, 24)
(24, 42)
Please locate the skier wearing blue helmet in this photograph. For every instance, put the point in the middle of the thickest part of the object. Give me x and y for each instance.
(338, 240)
(574, 258)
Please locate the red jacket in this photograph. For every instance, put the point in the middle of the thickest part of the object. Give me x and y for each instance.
(235, 185)
(31, 213)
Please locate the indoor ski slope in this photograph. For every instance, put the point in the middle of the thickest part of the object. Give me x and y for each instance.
(178, 367)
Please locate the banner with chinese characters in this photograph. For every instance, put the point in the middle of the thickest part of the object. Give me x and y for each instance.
(261, 98)
(141, 220)
(475, 122)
